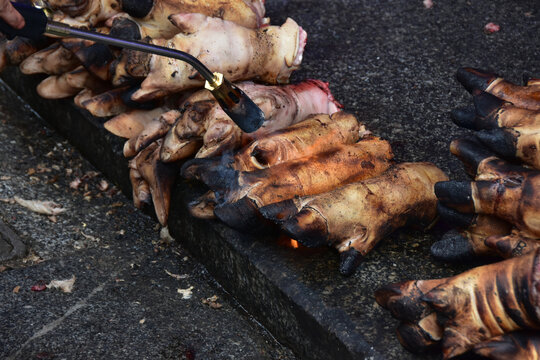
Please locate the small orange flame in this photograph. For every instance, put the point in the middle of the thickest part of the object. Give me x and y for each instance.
(288, 242)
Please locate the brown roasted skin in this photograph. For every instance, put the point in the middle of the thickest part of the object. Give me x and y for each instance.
(355, 217)
(523, 345)
(159, 178)
(312, 175)
(504, 190)
(418, 330)
(515, 243)
(475, 306)
(69, 84)
(241, 194)
(488, 301)
(317, 134)
(13, 52)
(506, 120)
(131, 123)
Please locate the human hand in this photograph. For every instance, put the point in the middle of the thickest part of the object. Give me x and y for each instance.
(10, 15)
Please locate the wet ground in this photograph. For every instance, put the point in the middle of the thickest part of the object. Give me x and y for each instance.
(126, 301)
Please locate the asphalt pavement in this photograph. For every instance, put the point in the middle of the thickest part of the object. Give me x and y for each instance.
(134, 295)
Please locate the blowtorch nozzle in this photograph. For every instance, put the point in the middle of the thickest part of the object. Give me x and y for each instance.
(240, 108)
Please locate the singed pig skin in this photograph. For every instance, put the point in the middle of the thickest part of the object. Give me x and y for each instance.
(318, 133)
(159, 178)
(241, 194)
(203, 119)
(154, 21)
(54, 60)
(358, 215)
(269, 54)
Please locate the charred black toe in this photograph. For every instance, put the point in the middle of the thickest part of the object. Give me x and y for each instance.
(464, 117)
(487, 106)
(126, 29)
(218, 177)
(455, 218)
(242, 215)
(473, 79)
(137, 8)
(280, 211)
(455, 194)
(147, 105)
(471, 152)
(349, 261)
(192, 169)
(452, 247)
(308, 228)
(501, 141)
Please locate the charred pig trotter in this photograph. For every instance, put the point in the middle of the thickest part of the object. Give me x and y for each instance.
(234, 101)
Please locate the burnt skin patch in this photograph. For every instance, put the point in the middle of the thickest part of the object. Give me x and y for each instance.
(453, 247)
(125, 28)
(501, 141)
(307, 227)
(349, 261)
(242, 215)
(455, 194)
(414, 338)
(474, 79)
(471, 152)
(279, 212)
(137, 8)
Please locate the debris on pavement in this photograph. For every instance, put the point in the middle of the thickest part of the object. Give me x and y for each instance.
(176, 276)
(491, 28)
(186, 293)
(212, 302)
(165, 236)
(428, 4)
(41, 207)
(38, 287)
(64, 285)
(16, 289)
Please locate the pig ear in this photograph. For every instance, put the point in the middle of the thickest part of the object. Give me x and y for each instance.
(188, 23)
